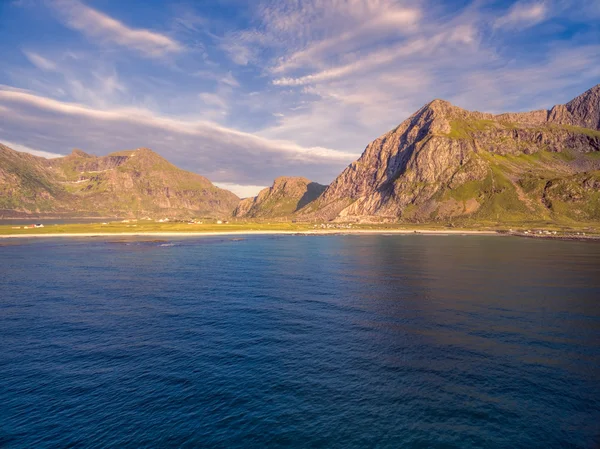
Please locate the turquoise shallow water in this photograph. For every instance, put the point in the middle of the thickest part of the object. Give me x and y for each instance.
(289, 341)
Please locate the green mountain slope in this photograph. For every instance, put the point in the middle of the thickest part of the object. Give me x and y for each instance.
(127, 183)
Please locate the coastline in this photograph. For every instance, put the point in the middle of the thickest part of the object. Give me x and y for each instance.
(250, 232)
(315, 232)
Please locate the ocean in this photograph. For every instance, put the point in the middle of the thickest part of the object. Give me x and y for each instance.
(378, 341)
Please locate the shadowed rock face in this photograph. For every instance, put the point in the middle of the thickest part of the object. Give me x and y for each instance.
(445, 162)
(127, 183)
(282, 199)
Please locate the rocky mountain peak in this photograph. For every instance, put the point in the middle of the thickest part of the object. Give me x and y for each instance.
(413, 171)
(79, 153)
(585, 108)
(440, 106)
(283, 198)
(290, 185)
(146, 151)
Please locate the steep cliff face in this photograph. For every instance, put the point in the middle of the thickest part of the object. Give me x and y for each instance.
(583, 111)
(127, 183)
(445, 162)
(282, 199)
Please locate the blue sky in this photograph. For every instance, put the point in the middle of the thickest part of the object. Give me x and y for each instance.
(245, 91)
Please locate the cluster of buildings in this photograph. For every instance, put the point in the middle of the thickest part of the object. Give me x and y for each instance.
(333, 226)
(539, 232)
(36, 225)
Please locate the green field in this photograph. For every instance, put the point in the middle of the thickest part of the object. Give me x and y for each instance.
(143, 227)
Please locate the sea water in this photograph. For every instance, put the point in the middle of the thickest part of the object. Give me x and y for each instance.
(290, 341)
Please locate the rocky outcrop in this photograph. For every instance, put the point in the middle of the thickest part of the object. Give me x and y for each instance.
(282, 199)
(445, 162)
(583, 111)
(127, 183)
(243, 207)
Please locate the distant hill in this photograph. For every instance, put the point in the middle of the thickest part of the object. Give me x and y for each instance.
(126, 184)
(445, 163)
(282, 199)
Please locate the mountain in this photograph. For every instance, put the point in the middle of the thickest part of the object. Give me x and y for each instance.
(447, 163)
(127, 184)
(282, 199)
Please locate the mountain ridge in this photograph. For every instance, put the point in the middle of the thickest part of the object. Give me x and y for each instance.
(282, 199)
(412, 172)
(443, 163)
(125, 183)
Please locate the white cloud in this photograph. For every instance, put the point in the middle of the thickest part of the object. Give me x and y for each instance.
(243, 191)
(523, 15)
(39, 61)
(26, 149)
(97, 25)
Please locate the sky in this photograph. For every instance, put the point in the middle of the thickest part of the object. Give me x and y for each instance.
(244, 91)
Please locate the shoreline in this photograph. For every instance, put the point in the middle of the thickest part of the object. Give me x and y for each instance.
(250, 232)
(316, 232)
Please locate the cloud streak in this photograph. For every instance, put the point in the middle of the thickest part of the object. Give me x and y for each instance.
(221, 153)
(461, 35)
(99, 26)
(395, 21)
(39, 61)
(523, 15)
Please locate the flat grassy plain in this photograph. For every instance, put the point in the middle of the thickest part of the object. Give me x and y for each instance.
(155, 228)
(144, 227)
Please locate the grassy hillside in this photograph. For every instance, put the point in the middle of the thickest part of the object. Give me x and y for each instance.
(128, 183)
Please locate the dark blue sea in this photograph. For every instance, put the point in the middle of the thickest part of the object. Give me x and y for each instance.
(300, 342)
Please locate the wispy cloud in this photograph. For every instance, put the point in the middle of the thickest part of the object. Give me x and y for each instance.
(243, 47)
(225, 154)
(385, 22)
(189, 127)
(294, 87)
(78, 77)
(462, 35)
(523, 15)
(39, 61)
(104, 28)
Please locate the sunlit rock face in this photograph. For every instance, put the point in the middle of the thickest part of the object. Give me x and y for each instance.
(445, 162)
(286, 196)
